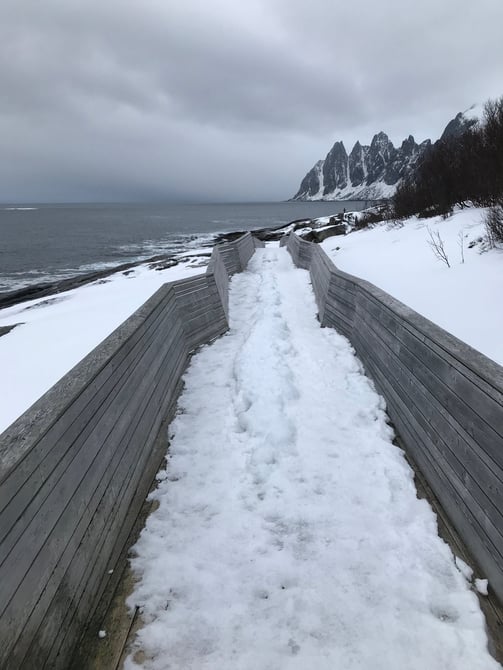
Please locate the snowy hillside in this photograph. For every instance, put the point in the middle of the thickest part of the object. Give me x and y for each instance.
(464, 299)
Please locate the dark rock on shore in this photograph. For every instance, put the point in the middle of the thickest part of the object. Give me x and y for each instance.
(165, 261)
(161, 265)
(271, 234)
(329, 231)
(49, 288)
(317, 231)
(6, 329)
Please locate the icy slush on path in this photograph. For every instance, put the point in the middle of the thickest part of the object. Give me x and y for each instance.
(288, 533)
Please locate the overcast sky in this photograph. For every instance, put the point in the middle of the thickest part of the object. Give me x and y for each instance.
(223, 100)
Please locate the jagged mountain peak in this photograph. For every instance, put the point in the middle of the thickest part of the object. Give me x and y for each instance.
(381, 143)
(408, 142)
(357, 149)
(373, 171)
(338, 148)
(380, 137)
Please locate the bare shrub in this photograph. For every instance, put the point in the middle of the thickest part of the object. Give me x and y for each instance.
(437, 246)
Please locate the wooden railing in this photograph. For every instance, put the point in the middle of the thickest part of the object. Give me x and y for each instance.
(76, 467)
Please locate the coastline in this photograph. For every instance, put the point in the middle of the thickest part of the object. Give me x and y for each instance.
(44, 289)
(125, 234)
(161, 261)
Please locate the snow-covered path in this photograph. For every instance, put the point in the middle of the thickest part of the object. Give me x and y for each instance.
(288, 533)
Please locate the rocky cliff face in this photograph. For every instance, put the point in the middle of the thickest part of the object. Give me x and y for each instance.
(371, 172)
(368, 172)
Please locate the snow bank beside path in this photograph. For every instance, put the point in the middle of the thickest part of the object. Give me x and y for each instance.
(58, 331)
(288, 533)
(464, 299)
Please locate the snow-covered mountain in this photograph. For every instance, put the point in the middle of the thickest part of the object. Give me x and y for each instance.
(372, 172)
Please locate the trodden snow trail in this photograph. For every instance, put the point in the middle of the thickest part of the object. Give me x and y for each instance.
(288, 533)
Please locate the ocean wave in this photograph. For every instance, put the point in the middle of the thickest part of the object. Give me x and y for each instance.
(176, 244)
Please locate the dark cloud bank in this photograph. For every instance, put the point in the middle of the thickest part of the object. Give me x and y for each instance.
(224, 100)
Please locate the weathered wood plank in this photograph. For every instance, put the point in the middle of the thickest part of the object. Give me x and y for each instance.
(460, 510)
(73, 497)
(60, 446)
(477, 541)
(469, 470)
(106, 526)
(86, 389)
(448, 386)
(445, 359)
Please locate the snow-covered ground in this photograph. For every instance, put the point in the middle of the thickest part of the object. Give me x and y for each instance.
(57, 332)
(375, 191)
(464, 299)
(288, 533)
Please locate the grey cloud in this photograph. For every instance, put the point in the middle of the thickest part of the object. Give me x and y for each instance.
(224, 100)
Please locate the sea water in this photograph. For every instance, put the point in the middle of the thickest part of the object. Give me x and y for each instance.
(47, 242)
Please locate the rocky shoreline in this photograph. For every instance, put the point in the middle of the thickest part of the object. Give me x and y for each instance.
(43, 289)
(314, 230)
